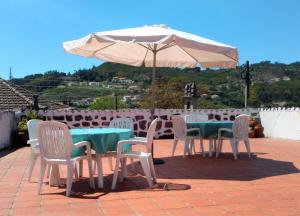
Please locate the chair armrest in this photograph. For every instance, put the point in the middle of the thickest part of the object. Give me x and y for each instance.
(193, 129)
(132, 142)
(224, 130)
(33, 141)
(81, 144)
(144, 139)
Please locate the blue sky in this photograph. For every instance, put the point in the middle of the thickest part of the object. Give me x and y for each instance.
(32, 31)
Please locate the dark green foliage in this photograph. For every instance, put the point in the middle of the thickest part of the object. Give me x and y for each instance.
(273, 84)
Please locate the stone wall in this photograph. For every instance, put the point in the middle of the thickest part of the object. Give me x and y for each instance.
(141, 118)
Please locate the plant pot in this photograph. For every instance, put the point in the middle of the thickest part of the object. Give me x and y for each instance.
(259, 131)
(252, 123)
(251, 134)
(23, 137)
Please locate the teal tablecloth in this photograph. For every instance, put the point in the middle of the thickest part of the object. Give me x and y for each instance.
(102, 140)
(210, 129)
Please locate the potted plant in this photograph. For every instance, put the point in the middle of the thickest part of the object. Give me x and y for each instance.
(22, 126)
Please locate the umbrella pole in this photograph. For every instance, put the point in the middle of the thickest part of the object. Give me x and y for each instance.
(156, 161)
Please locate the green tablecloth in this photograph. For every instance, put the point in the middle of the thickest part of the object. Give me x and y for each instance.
(103, 140)
(210, 129)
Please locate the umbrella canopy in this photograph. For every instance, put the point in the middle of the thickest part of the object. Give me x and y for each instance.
(156, 45)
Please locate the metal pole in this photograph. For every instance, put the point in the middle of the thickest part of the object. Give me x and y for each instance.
(153, 83)
(246, 95)
(156, 161)
(116, 101)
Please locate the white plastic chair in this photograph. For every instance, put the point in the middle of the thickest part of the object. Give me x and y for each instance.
(121, 123)
(239, 132)
(115, 123)
(182, 133)
(195, 118)
(56, 146)
(144, 157)
(34, 144)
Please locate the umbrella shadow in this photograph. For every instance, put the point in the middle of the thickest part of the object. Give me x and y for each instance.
(224, 168)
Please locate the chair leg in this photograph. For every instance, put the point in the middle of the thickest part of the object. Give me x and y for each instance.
(76, 172)
(247, 144)
(132, 164)
(186, 147)
(192, 147)
(71, 166)
(95, 167)
(80, 168)
(237, 147)
(42, 173)
(123, 168)
(152, 169)
(48, 170)
(100, 173)
(110, 163)
(202, 147)
(116, 172)
(221, 145)
(146, 169)
(90, 167)
(214, 145)
(33, 158)
(174, 146)
(210, 147)
(233, 146)
(218, 147)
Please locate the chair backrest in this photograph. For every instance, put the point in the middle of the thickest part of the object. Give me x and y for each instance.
(151, 133)
(32, 128)
(121, 123)
(196, 118)
(179, 126)
(55, 140)
(240, 126)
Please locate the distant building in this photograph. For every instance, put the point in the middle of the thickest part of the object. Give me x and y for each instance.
(129, 98)
(94, 83)
(83, 83)
(122, 80)
(215, 97)
(286, 78)
(276, 79)
(72, 84)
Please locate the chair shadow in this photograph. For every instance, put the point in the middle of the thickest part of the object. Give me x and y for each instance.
(192, 167)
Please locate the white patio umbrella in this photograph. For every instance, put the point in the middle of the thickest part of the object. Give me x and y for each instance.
(154, 46)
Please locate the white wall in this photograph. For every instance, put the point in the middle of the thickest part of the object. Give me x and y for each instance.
(6, 127)
(281, 123)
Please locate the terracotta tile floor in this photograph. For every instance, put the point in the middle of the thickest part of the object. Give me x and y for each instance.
(268, 184)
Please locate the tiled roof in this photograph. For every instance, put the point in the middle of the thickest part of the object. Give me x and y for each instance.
(14, 97)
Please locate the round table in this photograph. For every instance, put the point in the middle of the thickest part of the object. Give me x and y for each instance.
(103, 140)
(210, 129)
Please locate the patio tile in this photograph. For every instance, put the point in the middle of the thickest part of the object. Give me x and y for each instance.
(142, 204)
(183, 211)
(266, 185)
(26, 211)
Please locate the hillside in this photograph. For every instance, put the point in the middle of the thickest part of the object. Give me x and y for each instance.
(273, 84)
